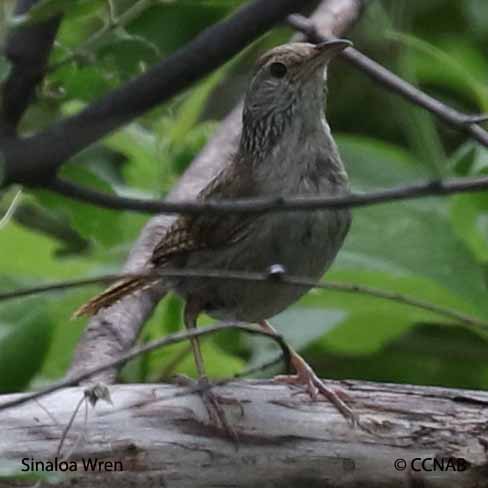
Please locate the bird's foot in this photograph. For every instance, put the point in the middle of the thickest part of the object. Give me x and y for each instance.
(213, 403)
(314, 386)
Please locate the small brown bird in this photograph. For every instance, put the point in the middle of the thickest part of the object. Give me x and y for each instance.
(286, 149)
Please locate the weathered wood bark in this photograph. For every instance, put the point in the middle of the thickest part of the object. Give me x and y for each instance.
(285, 440)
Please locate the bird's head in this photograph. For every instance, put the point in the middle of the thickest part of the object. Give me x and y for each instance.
(287, 77)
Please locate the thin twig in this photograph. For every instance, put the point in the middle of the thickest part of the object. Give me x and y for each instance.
(27, 48)
(48, 413)
(11, 209)
(137, 351)
(273, 204)
(27, 160)
(36, 158)
(200, 387)
(464, 122)
(38, 219)
(67, 428)
(90, 397)
(65, 285)
(281, 277)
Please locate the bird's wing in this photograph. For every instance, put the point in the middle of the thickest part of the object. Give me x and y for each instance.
(199, 232)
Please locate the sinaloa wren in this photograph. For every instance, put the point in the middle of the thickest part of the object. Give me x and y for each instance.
(285, 148)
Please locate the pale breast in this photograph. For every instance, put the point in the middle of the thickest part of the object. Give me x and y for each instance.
(304, 243)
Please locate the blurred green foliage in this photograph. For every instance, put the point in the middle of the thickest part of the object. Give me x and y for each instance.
(433, 249)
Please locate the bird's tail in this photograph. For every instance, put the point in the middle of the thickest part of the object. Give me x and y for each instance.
(112, 295)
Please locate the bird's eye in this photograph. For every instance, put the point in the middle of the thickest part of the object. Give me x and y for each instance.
(278, 70)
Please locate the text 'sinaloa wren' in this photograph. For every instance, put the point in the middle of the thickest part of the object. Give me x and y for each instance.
(285, 148)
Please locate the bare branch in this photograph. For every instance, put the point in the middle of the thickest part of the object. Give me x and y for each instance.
(138, 351)
(461, 121)
(27, 48)
(32, 160)
(280, 277)
(458, 120)
(273, 204)
(9, 210)
(284, 440)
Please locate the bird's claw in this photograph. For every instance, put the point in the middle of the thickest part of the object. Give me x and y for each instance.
(213, 403)
(315, 387)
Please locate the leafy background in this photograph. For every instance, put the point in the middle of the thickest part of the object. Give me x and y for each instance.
(433, 249)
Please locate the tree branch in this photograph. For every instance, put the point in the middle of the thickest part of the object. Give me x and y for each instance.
(464, 122)
(458, 120)
(27, 48)
(115, 329)
(272, 204)
(33, 159)
(139, 351)
(163, 439)
(275, 275)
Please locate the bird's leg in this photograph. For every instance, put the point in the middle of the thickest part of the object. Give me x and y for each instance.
(314, 386)
(190, 318)
(211, 401)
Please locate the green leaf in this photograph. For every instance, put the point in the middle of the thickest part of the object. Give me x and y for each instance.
(408, 247)
(470, 159)
(103, 226)
(169, 319)
(373, 322)
(192, 106)
(469, 217)
(193, 143)
(5, 68)
(144, 167)
(476, 12)
(81, 21)
(462, 160)
(139, 146)
(218, 363)
(30, 255)
(406, 239)
(25, 337)
(66, 333)
(372, 163)
(463, 67)
(425, 354)
(80, 83)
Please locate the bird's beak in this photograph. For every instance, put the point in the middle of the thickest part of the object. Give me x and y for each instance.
(324, 52)
(329, 49)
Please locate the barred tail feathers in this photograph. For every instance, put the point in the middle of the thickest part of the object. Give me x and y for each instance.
(112, 295)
